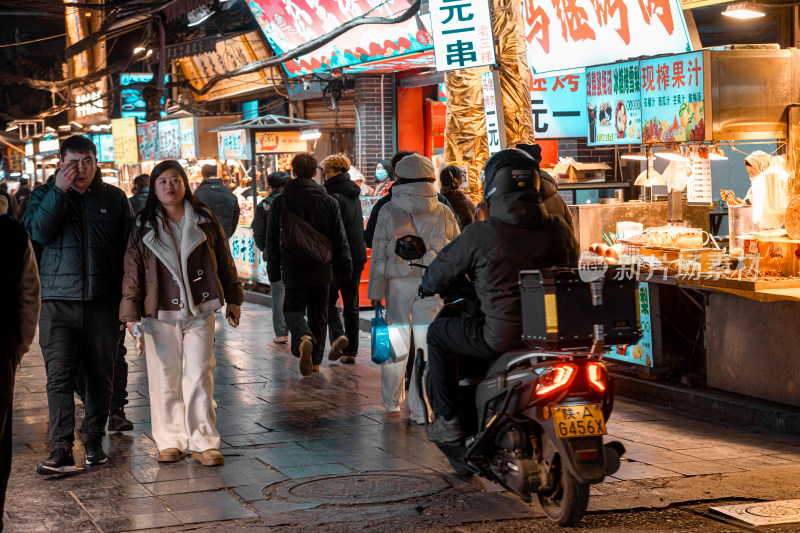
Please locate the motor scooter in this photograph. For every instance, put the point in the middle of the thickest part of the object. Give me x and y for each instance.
(535, 417)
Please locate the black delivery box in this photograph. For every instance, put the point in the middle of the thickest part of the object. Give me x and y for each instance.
(557, 309)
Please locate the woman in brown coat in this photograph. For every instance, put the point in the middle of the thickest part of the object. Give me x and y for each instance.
(178, 271)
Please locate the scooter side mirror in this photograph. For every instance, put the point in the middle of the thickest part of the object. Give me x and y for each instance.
(410, 247)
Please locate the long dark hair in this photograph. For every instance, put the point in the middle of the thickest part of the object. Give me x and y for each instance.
(450, 177)
(152, 206)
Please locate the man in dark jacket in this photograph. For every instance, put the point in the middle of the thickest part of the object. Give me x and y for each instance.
(518, 235)
(141, 188)
(369, 231)
(548, 187)
(83, 225)
(306, 280)
(336, 180)
(277, 290)
(219, 198)
(19, 312)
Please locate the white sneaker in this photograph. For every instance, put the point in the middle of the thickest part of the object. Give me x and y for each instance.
(281, 339)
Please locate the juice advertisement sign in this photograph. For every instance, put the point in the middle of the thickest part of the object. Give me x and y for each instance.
(673, 101)
(613, 102)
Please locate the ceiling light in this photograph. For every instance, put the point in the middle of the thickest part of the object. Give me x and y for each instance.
(49, 129)
(638, 156)
(199, 15)
(671, 155)
(308, 135)
(12, 127)
(743, 10)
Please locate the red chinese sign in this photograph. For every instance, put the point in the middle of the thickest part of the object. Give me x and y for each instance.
(565, 34)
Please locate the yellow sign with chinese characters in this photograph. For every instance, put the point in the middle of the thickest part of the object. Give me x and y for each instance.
(231, 54)
(279, 142)
(126, 148)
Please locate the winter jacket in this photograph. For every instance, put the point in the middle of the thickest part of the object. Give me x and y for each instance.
(310, 202)
(165, 283)
(553, 201)
(462, 205)
(519, 235)
(83, 238)
(414, 210)
(139, 199)
(346, 193)
(222, 202)
(261, 220)
(369, 231)
(19, 292)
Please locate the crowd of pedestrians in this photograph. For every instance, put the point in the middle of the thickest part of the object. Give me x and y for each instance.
(158, 265)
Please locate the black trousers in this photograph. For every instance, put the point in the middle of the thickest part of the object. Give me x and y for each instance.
(455, 347)
(313, 302)
(6, 407)
(76, 335)
(119, 396)
(350, 307)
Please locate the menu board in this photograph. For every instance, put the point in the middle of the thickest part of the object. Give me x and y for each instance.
(614, 103)
(169, 139)
(125, 140)
(147, 134)
(698, 185)
(233, 144)
(188, 144)
(558, 104)
(673, 107)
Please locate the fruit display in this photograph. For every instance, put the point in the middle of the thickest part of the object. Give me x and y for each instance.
(688, 124)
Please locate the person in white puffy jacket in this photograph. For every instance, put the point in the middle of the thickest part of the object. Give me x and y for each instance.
(413, 210)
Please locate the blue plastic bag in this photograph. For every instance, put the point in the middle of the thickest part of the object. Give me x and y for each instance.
(381, 348)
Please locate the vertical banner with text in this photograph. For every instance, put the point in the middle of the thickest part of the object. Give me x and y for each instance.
(493, 107)
(462, 34)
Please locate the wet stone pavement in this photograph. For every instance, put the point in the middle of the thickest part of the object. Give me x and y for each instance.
(319, 453)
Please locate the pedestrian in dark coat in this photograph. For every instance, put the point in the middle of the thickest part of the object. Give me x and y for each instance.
(219, 198)
(19, 313)
(277, 290)
(450, 179)
(83, 225)
(306, 282)
(141, 188)
(344, 338)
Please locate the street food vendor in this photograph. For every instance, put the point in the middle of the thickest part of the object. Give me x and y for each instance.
(768, 192)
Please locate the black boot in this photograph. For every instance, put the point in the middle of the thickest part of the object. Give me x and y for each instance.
(118, 422)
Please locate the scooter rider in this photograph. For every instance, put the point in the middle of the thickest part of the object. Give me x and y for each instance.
(518, 235)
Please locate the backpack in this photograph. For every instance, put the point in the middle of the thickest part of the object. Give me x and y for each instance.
(301, 243)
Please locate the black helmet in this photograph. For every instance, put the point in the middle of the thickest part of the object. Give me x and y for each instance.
(509, 170)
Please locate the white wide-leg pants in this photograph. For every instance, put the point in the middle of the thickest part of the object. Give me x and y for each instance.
(180, 372)
(407, 315)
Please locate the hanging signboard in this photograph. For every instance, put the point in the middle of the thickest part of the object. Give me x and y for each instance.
(698, 184)
(233, 144)
(462, 33)
(290, 23)
(48, 146)
(147, 134)
(126, 150)
(673, 107)
(566, 34)
(169, 139)
(188, 138)
(105, 147)
(558, 104)
(614, 102)
(493, 108)
(132, 102)
(279, 142)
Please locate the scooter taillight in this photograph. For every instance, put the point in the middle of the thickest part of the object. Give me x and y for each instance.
(555, 377)
(597, 376)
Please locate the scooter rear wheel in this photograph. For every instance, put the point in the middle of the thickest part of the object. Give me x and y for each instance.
(567, 502)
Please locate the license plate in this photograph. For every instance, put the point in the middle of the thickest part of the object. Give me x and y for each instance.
(578, 421)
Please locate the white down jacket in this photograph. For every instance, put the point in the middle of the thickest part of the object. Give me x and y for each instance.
(413, 210)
